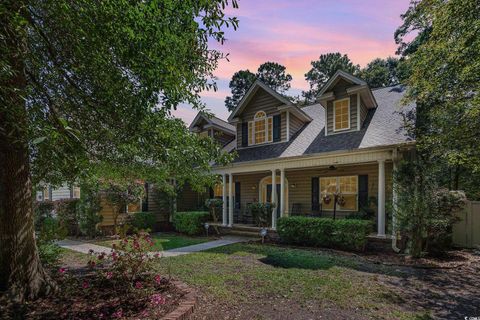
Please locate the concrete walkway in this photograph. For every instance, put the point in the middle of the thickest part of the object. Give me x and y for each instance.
(85, 247)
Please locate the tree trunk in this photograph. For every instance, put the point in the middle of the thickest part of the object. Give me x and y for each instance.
(21, 273)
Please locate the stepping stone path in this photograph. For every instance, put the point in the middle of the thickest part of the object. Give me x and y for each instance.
(85, 247)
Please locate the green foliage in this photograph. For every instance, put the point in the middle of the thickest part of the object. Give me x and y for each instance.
(349, 234)
(425, 212)
(68, 215)
(323, 69)
(43, 210)
(261, 212)
(271, 73)
(190, 223)
(49, 252)
(381, 72)
(121, 193)
(444, 65)
(50, 231)
(89, 210)
(215, 207)
(144, 221)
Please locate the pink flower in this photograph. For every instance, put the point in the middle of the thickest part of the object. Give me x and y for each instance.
(156, 255)
(91, 264)
(157, 299)
(62, 270)
(157, 279)
(117, 314)
(138, 285)
(109, 275)
(85, 284)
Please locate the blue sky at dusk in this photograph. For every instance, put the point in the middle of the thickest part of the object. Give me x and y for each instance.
(294, 33)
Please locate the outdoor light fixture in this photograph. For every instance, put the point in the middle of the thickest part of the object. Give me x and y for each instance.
(332, 167)
(293, 185)
(206, 225)
(263, 234)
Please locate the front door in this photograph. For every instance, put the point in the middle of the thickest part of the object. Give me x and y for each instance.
(269, 197)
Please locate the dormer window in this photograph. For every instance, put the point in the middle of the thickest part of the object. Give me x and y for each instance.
(260, 130)
(341, 114)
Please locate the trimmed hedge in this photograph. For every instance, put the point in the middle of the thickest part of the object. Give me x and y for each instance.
(349, 234)
(144, 220)
(190, 223)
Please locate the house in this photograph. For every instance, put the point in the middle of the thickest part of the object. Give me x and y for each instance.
(65, 191)
(346, 145)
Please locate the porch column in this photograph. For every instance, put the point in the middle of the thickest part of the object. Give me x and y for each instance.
(224, 199)
(274, 199)
(230, 200)
(381, 198)
(282, 192)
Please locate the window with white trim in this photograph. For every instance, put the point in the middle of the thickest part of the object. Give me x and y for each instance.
(260, 130)
(346, 186)
(341, 114)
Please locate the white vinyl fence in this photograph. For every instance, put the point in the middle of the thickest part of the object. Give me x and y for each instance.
(466, 233)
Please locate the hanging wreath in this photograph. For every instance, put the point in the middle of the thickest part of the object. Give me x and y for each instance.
(327, 199)
(341, 200)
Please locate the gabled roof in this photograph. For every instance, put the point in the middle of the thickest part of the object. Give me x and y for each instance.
(383, 127)
(213, 122)
(359, 86)
(260, 85)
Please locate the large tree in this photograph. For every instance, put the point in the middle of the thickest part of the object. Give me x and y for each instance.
(86, 86)
(323, 69)
(271, 73)
(445, 80)
(241, 81)
(381, 72)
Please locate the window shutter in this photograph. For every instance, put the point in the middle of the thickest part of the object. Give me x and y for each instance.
(363, 191)
(277, 120)
(244, 134)
(315, 194)
(237, 195)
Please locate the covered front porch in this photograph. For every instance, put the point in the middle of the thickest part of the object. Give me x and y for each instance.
(337, 185)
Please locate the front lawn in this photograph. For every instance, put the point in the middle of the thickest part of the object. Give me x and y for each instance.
(254, 281)
(165, 241)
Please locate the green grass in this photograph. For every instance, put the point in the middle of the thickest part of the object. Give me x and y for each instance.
(241, 273)
(165, 241)
(246, 276)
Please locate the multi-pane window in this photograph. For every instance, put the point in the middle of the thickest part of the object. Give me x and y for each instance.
(260, 130)
(346, 186)
(341, 111)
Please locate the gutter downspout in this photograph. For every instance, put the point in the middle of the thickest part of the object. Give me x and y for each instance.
(394, 203)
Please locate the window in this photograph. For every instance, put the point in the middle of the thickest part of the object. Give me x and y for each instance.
(76, 192)
(347, 186)
(260, 130)
(218, 190)
(341, 114)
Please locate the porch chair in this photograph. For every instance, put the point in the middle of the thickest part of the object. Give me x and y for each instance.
(296, 209)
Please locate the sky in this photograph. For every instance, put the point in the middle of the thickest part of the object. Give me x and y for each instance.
(295, 32)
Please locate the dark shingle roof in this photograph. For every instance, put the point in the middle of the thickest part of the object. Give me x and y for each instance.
(383, 126)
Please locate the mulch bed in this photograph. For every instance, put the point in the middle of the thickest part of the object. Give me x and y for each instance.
(449, 260)
(84, 295)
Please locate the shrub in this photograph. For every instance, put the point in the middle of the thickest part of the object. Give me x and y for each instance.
(262, 213)
(215, 207)
(43, 210)
(351, 234)
(190, 223)
(144, 220)
(50, 231)
(129, 262)
(67, 212)
(347, 234)
(49, 252)
(89, 212)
